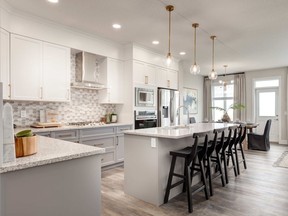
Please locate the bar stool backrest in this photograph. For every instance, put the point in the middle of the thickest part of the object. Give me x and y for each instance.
(203, 151)
(243, 134)
(220, 143)
(235, 131)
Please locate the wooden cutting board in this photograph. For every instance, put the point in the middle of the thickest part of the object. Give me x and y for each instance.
(45, 124)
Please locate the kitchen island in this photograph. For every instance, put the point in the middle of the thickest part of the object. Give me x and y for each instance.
(62, 178)
(147, 160)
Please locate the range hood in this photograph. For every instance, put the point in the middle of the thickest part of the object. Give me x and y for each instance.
(87, 71)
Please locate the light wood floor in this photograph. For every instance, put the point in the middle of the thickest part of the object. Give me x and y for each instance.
(260, 190)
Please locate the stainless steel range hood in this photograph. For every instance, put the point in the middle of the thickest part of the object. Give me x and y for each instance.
(87, 71)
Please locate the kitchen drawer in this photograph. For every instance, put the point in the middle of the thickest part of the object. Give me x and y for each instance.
(100, 131)
(46, 134)
(108, 158)
(69, 135)
(104, 142)
(121, 129)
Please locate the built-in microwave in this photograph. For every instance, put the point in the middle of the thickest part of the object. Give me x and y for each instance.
(144, 97)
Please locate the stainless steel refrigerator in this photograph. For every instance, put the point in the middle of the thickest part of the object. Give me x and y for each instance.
(167, 103)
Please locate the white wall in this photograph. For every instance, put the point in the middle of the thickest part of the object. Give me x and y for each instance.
(276, 72)
(186, 79)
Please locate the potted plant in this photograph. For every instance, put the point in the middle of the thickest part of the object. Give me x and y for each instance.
(25, 143)
(226, 117)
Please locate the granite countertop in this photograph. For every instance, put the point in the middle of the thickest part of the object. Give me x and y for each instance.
(51, 151)
(68, 127)
(177, 132)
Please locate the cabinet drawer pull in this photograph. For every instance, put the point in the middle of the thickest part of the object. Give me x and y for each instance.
(65, 135)
(98, 144)
(9, 90)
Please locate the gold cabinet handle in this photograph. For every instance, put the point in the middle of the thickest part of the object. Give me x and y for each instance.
(168, 83)
(146, 79)
(41, 92)
(9, 96)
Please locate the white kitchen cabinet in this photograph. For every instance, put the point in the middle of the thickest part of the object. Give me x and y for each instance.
(120, 142)
(40, 71)
(144, 74)
(4, 63)
(167, 78)
(56, 72)
(111, 75)
(26, 68)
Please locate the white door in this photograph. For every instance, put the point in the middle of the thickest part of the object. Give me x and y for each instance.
(267, 108)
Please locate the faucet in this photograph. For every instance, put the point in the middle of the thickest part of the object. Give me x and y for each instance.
(178, 114)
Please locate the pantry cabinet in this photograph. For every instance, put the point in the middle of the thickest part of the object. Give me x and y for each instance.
(112, 76)
(4, 63)
(144, 74)
(40, 71)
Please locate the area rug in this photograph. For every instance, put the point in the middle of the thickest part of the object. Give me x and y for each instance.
(282, 160)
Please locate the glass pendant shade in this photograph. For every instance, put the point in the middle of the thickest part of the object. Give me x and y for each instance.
(168, 59)
(195, 69)
(213, 74)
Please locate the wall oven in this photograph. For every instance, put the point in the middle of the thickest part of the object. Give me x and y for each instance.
(145, 119)
(144, 97)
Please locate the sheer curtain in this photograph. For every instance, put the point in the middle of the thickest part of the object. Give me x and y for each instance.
(207, 100)
(240, 96)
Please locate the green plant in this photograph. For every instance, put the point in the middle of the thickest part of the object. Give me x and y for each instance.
(24, 133)
(234, 106)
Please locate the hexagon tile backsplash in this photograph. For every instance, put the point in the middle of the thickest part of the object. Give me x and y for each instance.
(83, 106)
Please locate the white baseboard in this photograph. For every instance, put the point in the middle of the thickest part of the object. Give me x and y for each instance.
(283, 142)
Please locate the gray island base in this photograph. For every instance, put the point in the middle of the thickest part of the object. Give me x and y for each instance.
(63, 178)
(147, 160)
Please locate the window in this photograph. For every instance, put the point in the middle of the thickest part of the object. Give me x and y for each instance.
(266, 83)
(222, 96)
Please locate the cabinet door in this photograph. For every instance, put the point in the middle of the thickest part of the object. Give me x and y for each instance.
(144, 74)
(120, 148)
(115, 80)
(111, 75)
(4, 63)
(172, 79)
(162, 78)
(56, 72)
(26, 68)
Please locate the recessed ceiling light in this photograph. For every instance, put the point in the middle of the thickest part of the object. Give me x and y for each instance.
(116, 26)
(53, 1)
(155, 42)
(182, 53)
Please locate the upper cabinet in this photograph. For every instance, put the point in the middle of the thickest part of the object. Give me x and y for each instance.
(112, 76)
(167, 78)
(56, 72)
(144, 74)
(4, 62)
(39, 70)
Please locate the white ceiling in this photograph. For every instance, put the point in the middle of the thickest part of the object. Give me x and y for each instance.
(251, 34)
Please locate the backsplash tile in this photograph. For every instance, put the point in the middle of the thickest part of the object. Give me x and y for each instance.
(83, 106)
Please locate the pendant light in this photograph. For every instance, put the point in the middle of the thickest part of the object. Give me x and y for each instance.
(213, 74)
(195, 69)
(169, 8)
(224, 81)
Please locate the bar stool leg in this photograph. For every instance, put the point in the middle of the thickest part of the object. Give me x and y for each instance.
(224, 158)
(204, 178)
(243, 156)
(168, 188)
(237, 159)
(188, 186)
(233, 161)
(220, 169)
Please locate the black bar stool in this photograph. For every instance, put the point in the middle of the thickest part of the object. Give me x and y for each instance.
(189, 154)
(230, 150)
(242, 136)
(223, 154)
(216, 158)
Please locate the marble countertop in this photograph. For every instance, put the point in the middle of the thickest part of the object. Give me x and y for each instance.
(177, 132)
(68, 127)
(51, 151)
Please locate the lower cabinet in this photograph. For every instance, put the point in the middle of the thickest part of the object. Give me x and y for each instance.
(110, 138)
